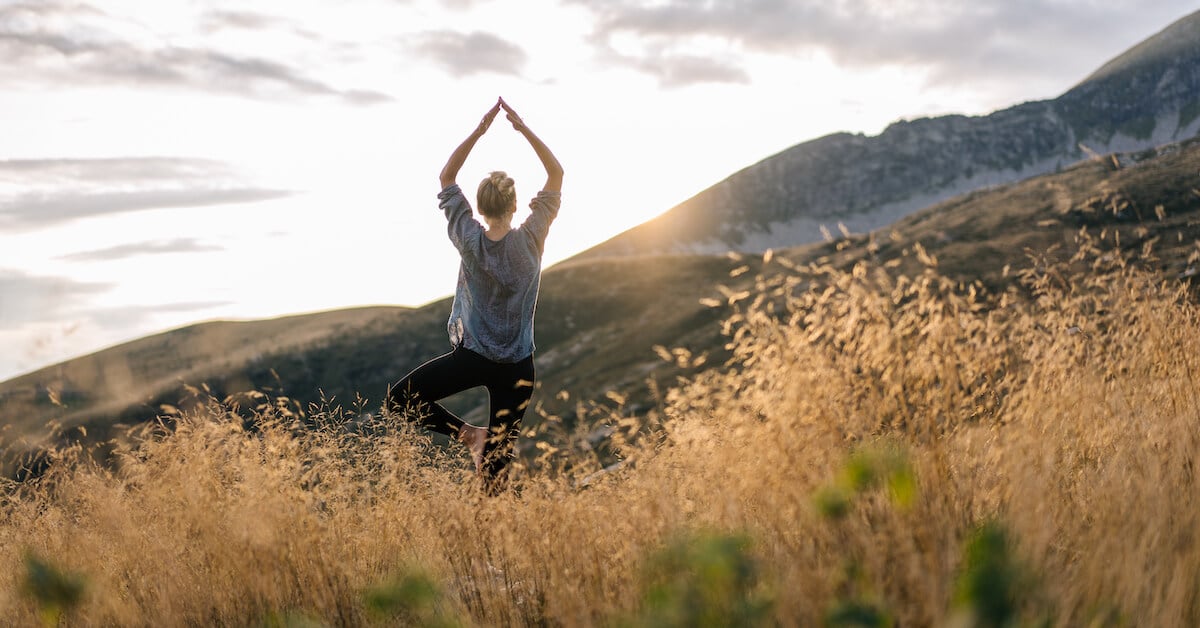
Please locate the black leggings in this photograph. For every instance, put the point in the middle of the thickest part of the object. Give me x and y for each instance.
(509, 387)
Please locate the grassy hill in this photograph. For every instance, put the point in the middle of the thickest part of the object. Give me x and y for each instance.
(599, 320)
(889, 447)
(597, 326)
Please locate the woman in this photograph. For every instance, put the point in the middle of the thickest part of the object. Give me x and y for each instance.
(491, 321)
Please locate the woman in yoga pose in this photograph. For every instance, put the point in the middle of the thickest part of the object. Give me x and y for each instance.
(491, 321)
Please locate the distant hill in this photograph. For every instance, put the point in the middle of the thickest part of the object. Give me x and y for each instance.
(1148, 96)
(599, 320)
(597, 326)
(601, 315)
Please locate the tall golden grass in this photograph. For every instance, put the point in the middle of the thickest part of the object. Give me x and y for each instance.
(880, 449)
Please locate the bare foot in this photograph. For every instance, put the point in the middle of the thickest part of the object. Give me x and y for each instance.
(474, 438)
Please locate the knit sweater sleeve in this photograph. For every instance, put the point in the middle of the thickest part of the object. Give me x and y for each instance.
(461, 225)
(545, 209)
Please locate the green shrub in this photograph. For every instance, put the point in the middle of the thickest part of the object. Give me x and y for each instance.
(411, 597)
(54, 590)
(704, 580)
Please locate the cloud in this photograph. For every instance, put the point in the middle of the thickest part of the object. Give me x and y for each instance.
(955, 40)
(43, 210)
(152, 247)
(37, 193)
(47, 319)
(131, 315)
(463, 54)
(61, 42)
(675, 70)
(46, 299)
(33, 299)
(113, 169)
(678, 70)
(246, 20)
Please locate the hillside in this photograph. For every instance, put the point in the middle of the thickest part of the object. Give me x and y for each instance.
(1146, 97)
(599, 320)
(886, 450)
(602, 314)
(597, 325)
(885, 453)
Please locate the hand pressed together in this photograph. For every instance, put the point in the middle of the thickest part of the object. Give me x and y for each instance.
(554, 171)
(512, 116)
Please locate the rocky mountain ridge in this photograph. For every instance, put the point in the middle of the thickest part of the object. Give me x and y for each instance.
(1146, 97)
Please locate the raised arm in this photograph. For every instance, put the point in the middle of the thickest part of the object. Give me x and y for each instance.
(459, 156)
(554, 171)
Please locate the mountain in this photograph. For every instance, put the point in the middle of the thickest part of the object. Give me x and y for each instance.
(601, 317)
(1148, 96)
(600, 320)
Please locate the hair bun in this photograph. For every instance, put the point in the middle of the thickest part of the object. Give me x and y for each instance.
(497, 194)
(504, 183)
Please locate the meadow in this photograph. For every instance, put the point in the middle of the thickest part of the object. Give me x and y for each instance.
(880, 449)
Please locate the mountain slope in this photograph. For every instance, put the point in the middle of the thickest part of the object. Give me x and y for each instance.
(601, 314)
(599, 320)
(1146, 97)
(597, 326)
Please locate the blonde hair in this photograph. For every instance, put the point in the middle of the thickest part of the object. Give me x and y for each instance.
(497, 194)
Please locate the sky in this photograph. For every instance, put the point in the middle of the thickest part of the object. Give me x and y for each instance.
(176, 161)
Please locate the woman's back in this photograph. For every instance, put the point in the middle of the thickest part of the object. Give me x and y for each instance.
(498, 280)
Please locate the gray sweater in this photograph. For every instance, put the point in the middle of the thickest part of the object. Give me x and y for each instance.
(497, 280)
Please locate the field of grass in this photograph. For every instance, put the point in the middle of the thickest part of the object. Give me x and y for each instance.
(881, 449)
(598, 320)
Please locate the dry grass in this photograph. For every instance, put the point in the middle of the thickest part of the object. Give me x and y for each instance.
(882, 448)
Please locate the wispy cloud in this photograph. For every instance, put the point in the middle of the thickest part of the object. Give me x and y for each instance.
(37, 193)
(135, 249)
(463, 54)
(679, 70)
(43, 317)
(132, 314)
(77, 43)
(30, 298)
(954, 40)
(46, 209)
(248, 20)
(33, 298)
